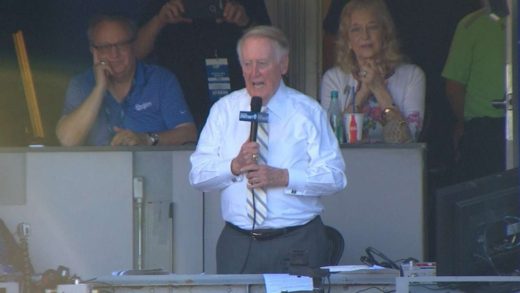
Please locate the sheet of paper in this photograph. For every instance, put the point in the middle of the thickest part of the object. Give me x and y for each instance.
(276, 283)
(352, 268)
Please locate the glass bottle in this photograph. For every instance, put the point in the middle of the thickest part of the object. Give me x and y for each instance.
(334, 113)
(352, 128)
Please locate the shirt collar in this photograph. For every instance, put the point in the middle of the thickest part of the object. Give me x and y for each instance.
(276, 104)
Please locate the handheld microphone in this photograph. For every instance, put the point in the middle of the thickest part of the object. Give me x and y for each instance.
(256, 106)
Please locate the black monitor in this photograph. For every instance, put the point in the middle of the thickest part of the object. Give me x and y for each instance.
(478, 226)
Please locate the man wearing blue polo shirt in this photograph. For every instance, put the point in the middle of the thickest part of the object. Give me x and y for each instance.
(121, 101)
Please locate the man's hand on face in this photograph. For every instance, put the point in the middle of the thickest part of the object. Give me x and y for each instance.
(102, 72)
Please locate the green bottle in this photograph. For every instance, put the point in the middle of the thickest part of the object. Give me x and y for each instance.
(334, 113)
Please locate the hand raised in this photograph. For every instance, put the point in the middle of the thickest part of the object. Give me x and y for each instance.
(234, 13)
(173, 12)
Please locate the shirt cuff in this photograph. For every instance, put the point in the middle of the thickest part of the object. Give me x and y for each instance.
(296, 182)
(234, 178)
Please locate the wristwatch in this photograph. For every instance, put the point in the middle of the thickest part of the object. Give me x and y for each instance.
(153, 137)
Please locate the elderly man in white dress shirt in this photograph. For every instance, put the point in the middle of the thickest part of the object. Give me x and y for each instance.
(302, 164)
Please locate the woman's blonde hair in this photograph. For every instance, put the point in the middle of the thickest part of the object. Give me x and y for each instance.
(391, 55)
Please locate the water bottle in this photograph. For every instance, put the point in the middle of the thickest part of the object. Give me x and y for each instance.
(334, 113)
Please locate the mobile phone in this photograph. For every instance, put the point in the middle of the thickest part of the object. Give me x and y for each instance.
(203, 9)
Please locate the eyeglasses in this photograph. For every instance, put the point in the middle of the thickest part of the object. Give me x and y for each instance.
(120, 46)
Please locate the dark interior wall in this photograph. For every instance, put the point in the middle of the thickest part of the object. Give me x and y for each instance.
(425, 31)
(56, 43)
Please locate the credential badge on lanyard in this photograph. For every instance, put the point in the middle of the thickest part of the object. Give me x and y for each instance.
(219, 84)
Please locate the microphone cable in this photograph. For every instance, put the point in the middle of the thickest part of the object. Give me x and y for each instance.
(250, 242)
(256, 105)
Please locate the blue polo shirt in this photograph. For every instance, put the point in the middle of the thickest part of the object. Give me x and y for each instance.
(155, 103)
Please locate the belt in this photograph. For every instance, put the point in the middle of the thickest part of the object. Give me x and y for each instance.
(267, 234)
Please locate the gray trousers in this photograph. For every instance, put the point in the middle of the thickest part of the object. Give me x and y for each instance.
(239, 253)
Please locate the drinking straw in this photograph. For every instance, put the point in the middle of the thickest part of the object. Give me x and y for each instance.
(353, 99)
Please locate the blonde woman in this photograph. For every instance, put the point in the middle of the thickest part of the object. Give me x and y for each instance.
(372, 77)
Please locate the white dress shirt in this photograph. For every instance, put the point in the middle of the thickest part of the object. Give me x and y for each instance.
(300, 140)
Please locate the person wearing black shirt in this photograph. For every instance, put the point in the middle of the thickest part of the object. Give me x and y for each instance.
(201, 51)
